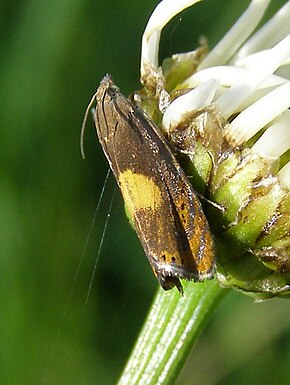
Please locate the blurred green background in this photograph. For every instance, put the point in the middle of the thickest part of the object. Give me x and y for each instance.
(53, 55)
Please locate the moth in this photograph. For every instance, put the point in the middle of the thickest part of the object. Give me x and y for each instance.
(166, 213)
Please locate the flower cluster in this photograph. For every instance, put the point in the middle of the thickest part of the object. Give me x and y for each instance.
(228, 110)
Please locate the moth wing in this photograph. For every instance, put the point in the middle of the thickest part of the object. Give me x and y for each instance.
(167, 215)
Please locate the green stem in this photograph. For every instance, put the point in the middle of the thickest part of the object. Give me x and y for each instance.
(172, 326)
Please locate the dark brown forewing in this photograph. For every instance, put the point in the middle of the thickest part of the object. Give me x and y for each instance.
(167, 215)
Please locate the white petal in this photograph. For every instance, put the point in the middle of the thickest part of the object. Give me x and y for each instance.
(259, 114)
(227, 76)
(276, 139)
(193, 100)
(236, 36)
(161, 15)
(231, 100)
(251, 60)
(273, 31)
(284, 175)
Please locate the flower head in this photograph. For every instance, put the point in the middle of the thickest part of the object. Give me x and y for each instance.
(228, 110)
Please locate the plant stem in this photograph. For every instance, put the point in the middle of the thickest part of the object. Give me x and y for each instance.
(172, 326)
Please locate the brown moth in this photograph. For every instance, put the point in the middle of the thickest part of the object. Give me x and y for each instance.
(167, 215)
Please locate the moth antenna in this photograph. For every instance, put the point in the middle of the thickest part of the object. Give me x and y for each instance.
(84, 125)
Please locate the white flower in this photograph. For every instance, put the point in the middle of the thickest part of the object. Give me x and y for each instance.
(246, 75)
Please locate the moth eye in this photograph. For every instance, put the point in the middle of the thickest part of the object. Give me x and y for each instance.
(163, 257)
(112, 91)
(173, 259)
